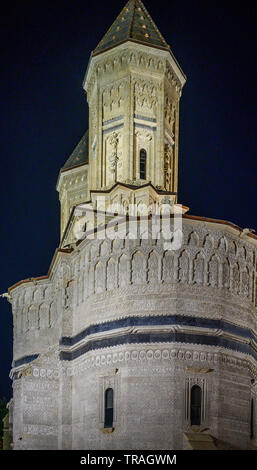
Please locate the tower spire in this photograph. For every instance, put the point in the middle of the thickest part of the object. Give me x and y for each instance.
(135, 24)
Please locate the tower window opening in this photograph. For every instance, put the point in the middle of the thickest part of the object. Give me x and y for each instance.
(196, 405)
(143, 155)
(252, 420)
(108, 408)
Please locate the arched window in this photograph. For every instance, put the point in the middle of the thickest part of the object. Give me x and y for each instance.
(196, 405)
(252, 420)
(143, 164)
(108, 408)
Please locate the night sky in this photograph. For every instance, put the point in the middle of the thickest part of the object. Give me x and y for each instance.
(45, 51)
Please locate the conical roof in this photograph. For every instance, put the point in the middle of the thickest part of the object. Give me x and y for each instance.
(79, 155)
(133, 24)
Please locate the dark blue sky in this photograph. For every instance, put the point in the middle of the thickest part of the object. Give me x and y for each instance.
(45, 50)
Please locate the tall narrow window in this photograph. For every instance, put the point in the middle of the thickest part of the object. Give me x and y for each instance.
(252, 420)
(196, 405)
(108, 408)
(143, 164)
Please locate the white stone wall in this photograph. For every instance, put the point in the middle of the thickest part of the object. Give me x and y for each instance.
(58, 403)
(150, 387)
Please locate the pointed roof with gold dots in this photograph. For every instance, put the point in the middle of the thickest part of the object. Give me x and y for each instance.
(133, 24)
(79, 155)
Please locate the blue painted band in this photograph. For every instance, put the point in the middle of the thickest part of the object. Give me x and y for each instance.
(145, 126)
(25, 360)
(174, 337)
(145, 118)
(160, 320)
(113, 128)
(153, 337)
(118, 118)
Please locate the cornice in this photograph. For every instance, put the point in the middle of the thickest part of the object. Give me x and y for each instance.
(129, 48)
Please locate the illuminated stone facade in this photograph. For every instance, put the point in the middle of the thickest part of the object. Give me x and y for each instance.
(128, 315)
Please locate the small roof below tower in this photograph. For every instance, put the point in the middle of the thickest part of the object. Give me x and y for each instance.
(79, 155)
(133, 24)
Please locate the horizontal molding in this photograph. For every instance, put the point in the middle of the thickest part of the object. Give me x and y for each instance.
(160, 320)
(25, 360)
(158, 329)
(145, 126)
(144, 118)
(113, 128)
(173, 337)
(109, 121)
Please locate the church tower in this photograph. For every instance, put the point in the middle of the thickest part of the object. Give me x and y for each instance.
(133, 85)
(134, 342)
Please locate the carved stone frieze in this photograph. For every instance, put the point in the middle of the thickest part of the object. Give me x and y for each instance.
(168, 167)
(130, 59)
(113, 99)
(146, 96)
